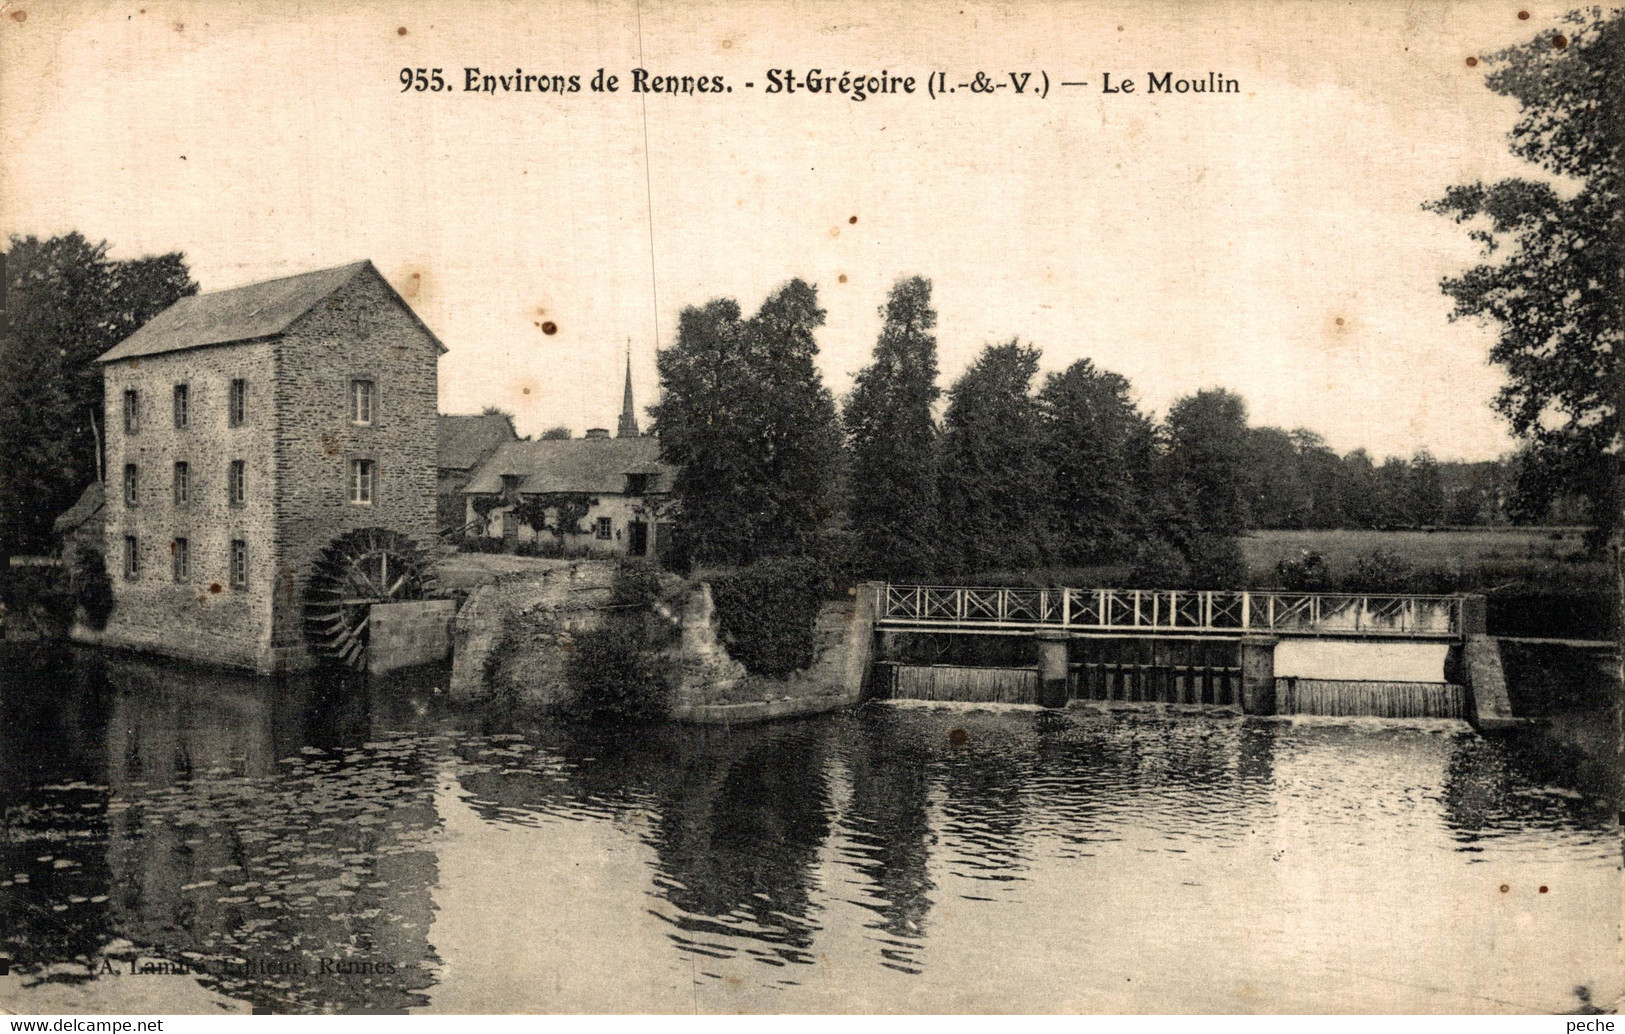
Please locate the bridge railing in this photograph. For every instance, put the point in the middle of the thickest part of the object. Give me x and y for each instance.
(1169, 611)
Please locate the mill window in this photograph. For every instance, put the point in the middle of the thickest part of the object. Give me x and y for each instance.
(132, 411)
(237, 402)
(180, 558)
(183, 483)
(131, 484)
(361, 402)
(132, 557)
(239, 563)
(361, 478)
(182, 407)
(606, 528)
(237, 479)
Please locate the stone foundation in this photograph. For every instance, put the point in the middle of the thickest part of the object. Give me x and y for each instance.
(403, 635)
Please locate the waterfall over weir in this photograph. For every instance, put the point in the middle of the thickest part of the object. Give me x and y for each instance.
(1350, 697)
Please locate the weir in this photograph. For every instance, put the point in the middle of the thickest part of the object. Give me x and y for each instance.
(1398, 656)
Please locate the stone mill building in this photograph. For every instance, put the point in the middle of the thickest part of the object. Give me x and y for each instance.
(271, 469)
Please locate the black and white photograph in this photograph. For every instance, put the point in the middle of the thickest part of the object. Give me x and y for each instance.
(920, 507)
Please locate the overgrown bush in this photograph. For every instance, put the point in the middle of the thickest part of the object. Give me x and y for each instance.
(1307, 572)
(1215, 562)
(620, 671)
(1158, 565)
(616, 675)
(1380, 571)
(767, 613)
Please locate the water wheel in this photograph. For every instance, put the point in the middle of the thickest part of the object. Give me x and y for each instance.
(356, 570)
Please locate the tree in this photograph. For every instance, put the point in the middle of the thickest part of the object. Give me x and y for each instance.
(892, 488)
(1424, 491)
(1207, 459)
(747, 421)
(993, 481)
(1100, 451)
(556, 434)
(1393, 493)
(1359, 491)
(1278, 495)
(67, 304)
(1558, 290)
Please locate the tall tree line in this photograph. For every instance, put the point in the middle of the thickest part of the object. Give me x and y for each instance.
(1008, 468)
(65, 303)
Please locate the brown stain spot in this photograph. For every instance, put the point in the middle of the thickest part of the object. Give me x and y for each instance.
(19, 16)
(401, 31)
(1472, 62)
(1523, 16)
(1339, 321)
(1560, 41)
(958, 737)
(214, 587)
(180, 26)
(1505, 888)
(540, 311)
(330, 445)
(727, 44)
(734, 981)
(853, 220)
(834, 231)
(842, 278)
(524, 391)
(1543, 888)
(550, 328)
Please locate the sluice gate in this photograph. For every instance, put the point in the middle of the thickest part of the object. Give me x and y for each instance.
(1343, 655)
(1339, 654)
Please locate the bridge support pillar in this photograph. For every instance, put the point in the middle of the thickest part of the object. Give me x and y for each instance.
(1258, 674)
(1052, 668)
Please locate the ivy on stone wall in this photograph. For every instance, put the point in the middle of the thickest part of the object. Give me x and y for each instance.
(767, 613)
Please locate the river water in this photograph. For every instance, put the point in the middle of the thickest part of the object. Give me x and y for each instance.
(185, 840)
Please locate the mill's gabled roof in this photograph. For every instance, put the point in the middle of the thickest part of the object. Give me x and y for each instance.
(247, 313)
(590, 465)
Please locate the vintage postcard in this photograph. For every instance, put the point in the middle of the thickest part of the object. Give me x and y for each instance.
(674, 506)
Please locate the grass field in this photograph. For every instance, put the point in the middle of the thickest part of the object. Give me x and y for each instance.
(1534, 549)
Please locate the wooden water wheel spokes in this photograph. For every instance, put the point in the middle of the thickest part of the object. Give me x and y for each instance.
(355, 571)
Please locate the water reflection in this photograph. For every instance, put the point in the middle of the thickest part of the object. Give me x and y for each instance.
(247, 831)
(285, 840)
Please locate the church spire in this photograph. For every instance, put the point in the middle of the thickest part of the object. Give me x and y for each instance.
(629, 419)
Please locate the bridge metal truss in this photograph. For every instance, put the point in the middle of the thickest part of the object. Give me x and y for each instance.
(951, 608)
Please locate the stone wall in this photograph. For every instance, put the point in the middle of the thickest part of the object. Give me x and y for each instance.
(401, 635)
(203, 617)
(513, 636)
(361, 331)
(714, 688)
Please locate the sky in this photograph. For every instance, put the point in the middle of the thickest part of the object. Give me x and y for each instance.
(1270, 241)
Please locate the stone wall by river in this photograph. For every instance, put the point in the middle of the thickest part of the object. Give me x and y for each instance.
(514, 635)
